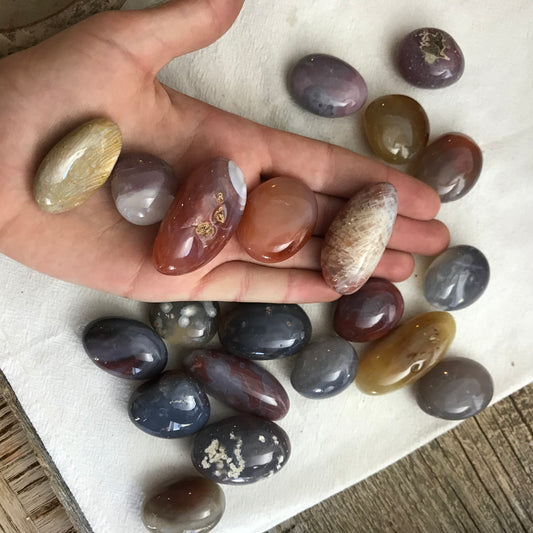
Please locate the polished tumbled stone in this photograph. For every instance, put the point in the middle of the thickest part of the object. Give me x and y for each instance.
(264, 331)
(327, 86)
(125, 348)
(191, 324)
(240, 450)
(324, 368)
(171, 406)
(455, 389)
(456, 278)
(190, 505)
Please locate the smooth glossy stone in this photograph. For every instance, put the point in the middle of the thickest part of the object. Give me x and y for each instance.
(204, 215)
(77, 166)
(190, 505)
(324, 368)
(279, 219)
(451, 165)
(240, 450)
(406, 353)
(357, 237)
(171, 406)
(430, 58)
(369, 313)
(327, 86)
(191, 324)
(264, 331)
(143, 187)
(238, 382)
(125, 348)
(455, 389)
(456, 278)
(396, 127)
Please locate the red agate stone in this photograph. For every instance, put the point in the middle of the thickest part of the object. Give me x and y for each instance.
(204, 215)
(279, 219)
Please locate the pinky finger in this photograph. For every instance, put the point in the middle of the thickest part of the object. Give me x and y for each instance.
(395, 266)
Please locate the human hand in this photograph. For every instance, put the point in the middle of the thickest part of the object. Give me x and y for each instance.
(106, 66)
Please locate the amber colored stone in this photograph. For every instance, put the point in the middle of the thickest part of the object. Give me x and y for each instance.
(406, 353)
(396, 127)
(279, 219)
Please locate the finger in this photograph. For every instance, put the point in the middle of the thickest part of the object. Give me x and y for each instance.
(419, 237)
(395, 266)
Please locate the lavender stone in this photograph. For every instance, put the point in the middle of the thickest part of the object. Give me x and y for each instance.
(324, 368)
(240, 450)
(430, 58)
(455, 389)
(143, 187)
(170, 406)
(456, 278)
(327, 86)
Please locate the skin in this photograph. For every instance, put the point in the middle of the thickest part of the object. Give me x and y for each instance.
(106, 66)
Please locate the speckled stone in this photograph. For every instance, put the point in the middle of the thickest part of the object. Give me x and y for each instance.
(455, 389)
(240, 450)
(324, 368)
(170, 406)
(190, 324)
(456, 278)
(190, 505)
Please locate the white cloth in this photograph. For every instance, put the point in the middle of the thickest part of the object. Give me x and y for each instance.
(80, 412)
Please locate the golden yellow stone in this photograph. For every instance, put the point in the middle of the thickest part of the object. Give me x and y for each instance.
(77, 166)
(406, 353)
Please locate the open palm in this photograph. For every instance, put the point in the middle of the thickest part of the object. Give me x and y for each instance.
(106, 67)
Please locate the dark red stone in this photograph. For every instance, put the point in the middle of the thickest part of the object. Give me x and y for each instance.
(240, 383)
(369, 313)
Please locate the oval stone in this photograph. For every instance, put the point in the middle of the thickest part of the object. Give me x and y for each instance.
(190, 505)
(125, 348)
(264, 331)
(143, 187)
(77, 166)
(279, 219)
(324, 368)
(357, 237)
(204, 215)
(327, 86)
(457, 388)
(171, 406)
(240, 450)
(451, 165)
(238, 382)
(406, 353)
(430, 58)
(396, 127)
(190, 324)
(369, 313)
(456, 278)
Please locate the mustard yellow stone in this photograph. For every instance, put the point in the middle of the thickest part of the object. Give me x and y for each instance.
(406, 353)
(77, 166)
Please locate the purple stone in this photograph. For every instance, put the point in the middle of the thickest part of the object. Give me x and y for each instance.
(238, 382)
(430, 58)
(240, 450)
(143, 187)
(125, 348)
(171, 406)
(455, 389)
(369, 313)
(327, 86)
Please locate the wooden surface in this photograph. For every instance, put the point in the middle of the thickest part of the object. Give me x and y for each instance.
(478, 477)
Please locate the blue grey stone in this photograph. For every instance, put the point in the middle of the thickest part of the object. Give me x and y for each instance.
(264, 331)
(324, 368)
(240, 450)
(456, 278)
(170, 406)
(455, 389)
(125, 348)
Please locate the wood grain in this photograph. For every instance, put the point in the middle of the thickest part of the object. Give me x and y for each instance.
(475, 478)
